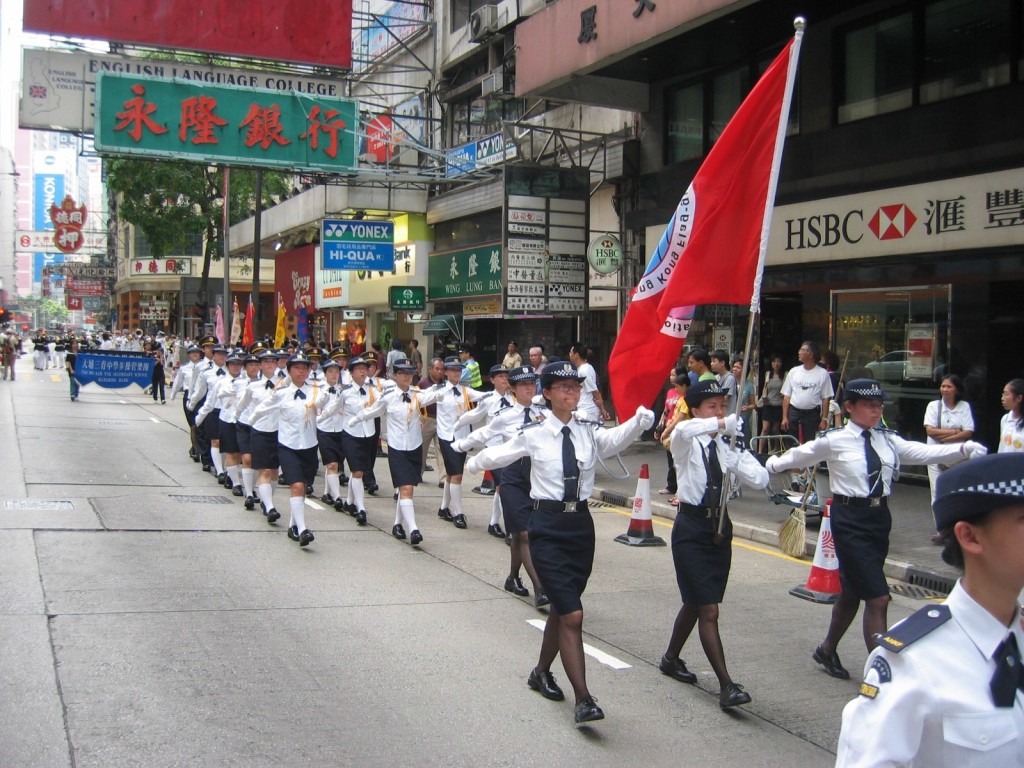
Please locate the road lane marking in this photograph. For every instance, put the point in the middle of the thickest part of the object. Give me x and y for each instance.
(313, 504)
(154, 419)
(605, 658)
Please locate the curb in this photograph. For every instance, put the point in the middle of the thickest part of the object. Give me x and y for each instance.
(893, 569)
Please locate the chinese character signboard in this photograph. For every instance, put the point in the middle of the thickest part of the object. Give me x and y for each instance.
(357, 244)
(411, 298)
(68, 220)
(114, 370)
(470, 272)
(41, 241)
(246, 126)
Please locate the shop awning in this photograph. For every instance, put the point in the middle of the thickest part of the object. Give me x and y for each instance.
(442, 324)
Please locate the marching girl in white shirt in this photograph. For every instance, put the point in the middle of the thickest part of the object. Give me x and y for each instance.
(328, 432)
(243, 427)
(401, 406)
(359, 445)
(298, 406)
(455, 401)
(225, 391)
(263, 432)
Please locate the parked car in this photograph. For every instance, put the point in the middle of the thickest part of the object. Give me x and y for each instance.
(892, 366)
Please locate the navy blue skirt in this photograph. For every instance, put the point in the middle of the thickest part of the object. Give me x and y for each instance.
(330, 447)
(264, 449)
(298, 465)
(516, 504)
(243, 433)
(211, 425)
(228, 437)
(702, 567)
(406, 466)
(562, 548)
(861, 536)
(359, 451)
(454, 462)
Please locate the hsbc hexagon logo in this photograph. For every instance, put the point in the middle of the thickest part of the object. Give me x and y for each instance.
(892, 222)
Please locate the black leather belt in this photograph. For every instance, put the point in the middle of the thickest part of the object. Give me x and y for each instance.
(854, 501)
(564, 507)
(692, 509)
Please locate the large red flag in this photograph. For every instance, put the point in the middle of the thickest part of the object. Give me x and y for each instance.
(711, 251)
(248, 337)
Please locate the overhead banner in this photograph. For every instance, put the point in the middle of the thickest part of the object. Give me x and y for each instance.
(357, 244)
(114, 370)
(243, 126)
(59, 87)
(41, 241)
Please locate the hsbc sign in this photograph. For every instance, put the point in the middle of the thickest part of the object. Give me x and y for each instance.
(983, 211)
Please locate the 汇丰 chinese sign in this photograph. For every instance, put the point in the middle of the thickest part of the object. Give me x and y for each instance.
(114, 370)
(245, 126)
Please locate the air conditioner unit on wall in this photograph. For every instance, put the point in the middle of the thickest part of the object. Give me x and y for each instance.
(483, 22)
(495, 84)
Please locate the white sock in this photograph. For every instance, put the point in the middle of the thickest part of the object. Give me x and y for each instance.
(496, 508)
(398, 512)
(215, 458)
(446, 495)
(408, 511)
(232, 471)
(247, 474)
(333, 485)
(298, 509)
(356, 486)
(456, 503)
(266, 492)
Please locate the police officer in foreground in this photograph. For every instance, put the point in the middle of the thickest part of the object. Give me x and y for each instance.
(945, 687)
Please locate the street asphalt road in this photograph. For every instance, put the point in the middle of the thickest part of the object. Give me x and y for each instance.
(146, 618)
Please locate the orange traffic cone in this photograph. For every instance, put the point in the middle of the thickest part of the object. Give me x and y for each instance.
(823, 582)
(641, 528)
(486, 488)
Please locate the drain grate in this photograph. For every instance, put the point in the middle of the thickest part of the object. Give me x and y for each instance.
(941, 584)
(916, 592)
(28, 504)
(615, 498)
(200, 499)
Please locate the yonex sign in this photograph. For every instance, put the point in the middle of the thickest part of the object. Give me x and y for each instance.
(357, 244)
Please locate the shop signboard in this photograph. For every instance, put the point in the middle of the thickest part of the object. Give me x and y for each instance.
(357, 244)
(411, 298)
(41, 241)
(488, 151)
(464, 273)
(605, 254)
(154, 117)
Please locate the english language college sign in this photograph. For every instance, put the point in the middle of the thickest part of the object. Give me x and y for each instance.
(244, 126)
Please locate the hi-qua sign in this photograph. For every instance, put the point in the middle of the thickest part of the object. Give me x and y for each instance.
(357, 244)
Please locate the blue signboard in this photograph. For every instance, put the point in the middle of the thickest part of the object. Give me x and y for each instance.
(114, 370)
(357, 244)
(49, 190)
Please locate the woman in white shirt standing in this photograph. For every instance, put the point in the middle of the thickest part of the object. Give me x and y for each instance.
(947, 420)
(1011, 427)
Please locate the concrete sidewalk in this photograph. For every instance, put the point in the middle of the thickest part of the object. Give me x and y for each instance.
(912, 556)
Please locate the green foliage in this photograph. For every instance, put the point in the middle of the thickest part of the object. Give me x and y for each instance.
(54, 310)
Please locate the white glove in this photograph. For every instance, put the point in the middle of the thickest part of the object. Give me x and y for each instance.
(770, 464)
(173, 395)
(459, 447)
(730, 424)
(645, 417)
(539, 400)
(729, 458)
(471, 465)
(200, 417)
(973, 450)
(353, 422)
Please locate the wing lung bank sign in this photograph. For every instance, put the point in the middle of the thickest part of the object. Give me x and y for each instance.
(114, 370)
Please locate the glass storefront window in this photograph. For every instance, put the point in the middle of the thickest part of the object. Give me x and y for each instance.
(899, 336)
(967, 47)
(879, 68)
(727, 93)
(685, 123)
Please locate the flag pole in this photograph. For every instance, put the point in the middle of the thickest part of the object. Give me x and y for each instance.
(799, 24)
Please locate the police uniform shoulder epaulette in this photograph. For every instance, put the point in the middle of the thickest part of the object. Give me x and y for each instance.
(833, 429)
(531, 425)
(915, 627)
(486, 395)
(886, 431)
(346, 386)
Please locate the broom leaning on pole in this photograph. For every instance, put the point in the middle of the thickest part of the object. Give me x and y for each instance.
(793, 532)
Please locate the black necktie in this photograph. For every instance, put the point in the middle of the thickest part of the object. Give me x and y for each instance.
(570, 469)
(1008, 676)
(269, 385)
(406, 398)
(526, 415)
(874, 466)
(332, 390)
(456, 391)
(713, 492)
(362, 391)
(299, 395)
(221, 371)
(505, 403)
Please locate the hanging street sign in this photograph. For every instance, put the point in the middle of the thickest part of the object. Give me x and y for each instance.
(357, 244)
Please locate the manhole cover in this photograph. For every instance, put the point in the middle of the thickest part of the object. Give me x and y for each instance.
(200, 499)
(23, 504)
(918, 593)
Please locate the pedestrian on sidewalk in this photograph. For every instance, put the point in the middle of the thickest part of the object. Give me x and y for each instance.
(944, 686)
(70, 359)
(674, 412)
(805, 396)
(701, 543)
(771, 394)
(1011, 427)
(863, 461)
(563, 453)
(947, 420)
(159, 376)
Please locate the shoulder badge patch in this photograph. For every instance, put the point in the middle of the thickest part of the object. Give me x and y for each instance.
(531, 425)
(870, 691)
(882, 669)
(914, 628)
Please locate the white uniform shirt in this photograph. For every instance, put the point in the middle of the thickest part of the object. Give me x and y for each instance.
(843, 449)
(454, 402)
(204, 383)
(245, 406)
(296, 425)
(262, 420)
(542, 442)
(930, 706)
(354, 399)
(229, 393)
(405, 430)
(689, 443)
(807, 388)
(503, 427)
(938, 415)
(333, 420)
(490, 406)
(183, 378)
(1011, 437)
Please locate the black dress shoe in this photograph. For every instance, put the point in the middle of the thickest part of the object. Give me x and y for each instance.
(250, 502)
(221, 477)
(206, 467)
(676, 669)
(830, 661)
(372, 489)
(427, 468)
(237, 491)
(293, 533)
(508, 539)
(415, 537)
(460, 520)
(495, 530)
(445, 514)
(540, 600)
(305, 538)
(544, 683)
(339, 505)
(398, 531)
(587, 711)
(350, 508)
(310, 491)
(273, 515)
(327, 499)
(360, 516)
(395, 496)
(732, 696)
(282, 481)
(514, 585)
(343, 480)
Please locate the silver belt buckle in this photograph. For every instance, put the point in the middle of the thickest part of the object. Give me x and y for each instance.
(875, 501)
(570, 506)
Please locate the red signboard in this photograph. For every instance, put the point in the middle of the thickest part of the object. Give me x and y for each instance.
(293, 279)
(303, 31)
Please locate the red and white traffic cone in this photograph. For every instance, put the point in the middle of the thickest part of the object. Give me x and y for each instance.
(823, 582)
(641, 527)
(486, 488)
